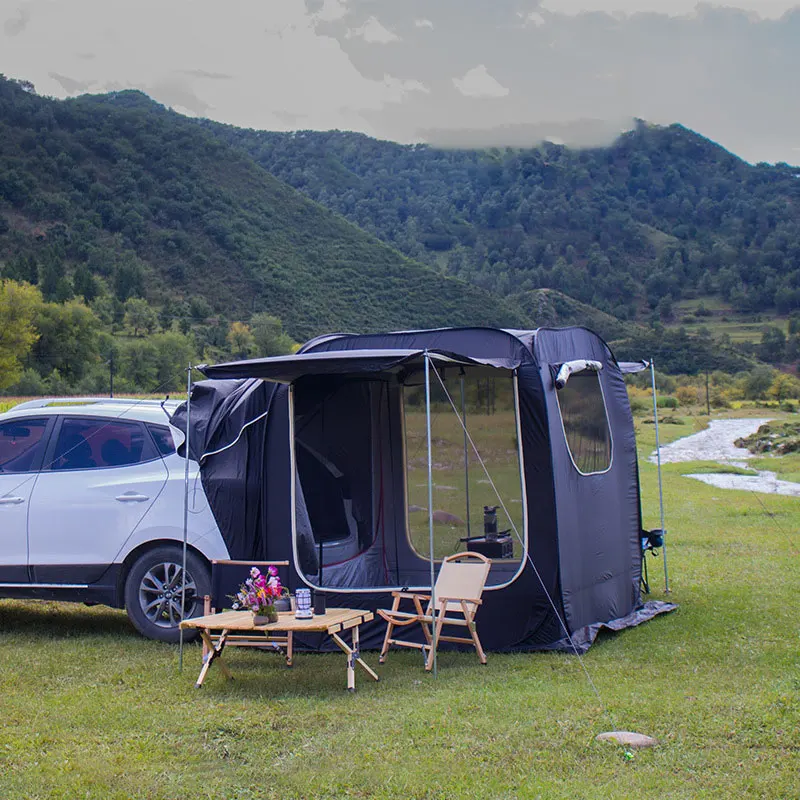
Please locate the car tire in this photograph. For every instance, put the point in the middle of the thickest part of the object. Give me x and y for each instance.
(153, 592)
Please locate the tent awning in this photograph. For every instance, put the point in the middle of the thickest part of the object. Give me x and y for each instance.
(287, 369)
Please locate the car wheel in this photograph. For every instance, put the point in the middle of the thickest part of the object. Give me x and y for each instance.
(153, 592)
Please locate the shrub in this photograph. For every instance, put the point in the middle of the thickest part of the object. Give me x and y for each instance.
(686, 395)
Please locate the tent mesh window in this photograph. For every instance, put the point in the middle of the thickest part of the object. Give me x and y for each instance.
(460, 486)
(585, 421)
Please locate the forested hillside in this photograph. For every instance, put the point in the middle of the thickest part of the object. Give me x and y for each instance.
(134, 219)
(135, 239)
(115, 196)
(661, 215)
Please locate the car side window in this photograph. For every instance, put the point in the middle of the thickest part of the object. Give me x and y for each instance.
(21, 444)
(100, 443)
(163, 439)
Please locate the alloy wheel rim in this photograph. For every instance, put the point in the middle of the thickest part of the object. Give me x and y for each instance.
(160, 594)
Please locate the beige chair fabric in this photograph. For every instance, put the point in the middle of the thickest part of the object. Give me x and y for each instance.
(458, 590)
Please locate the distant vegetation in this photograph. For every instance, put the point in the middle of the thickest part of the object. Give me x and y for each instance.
(135, 239)
(662, 214)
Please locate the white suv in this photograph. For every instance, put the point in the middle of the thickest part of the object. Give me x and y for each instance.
(92, 509)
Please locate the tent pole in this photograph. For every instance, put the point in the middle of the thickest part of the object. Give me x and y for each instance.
(185, 507)
(466, 451)
(660, 487)
(430, 500)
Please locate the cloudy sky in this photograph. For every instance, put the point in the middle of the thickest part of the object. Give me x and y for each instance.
(472, 71)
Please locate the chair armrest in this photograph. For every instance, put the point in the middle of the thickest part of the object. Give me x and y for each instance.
(411, 595)
(401, 617)
(457, 600)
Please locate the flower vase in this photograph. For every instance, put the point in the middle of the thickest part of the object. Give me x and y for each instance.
(265, 616)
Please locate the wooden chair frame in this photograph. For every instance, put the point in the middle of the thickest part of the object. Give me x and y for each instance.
(458, 597)
(260, 639)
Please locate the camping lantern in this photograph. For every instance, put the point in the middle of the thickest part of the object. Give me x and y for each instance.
(303, 600)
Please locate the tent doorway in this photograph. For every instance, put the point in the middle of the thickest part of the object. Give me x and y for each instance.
(361, 490)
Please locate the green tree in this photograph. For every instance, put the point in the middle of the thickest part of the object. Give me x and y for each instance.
(270, 339)
(757, 382)
(68, 339)
(19, 304)
(173, 353)
(773, 344)
(240, 340)
(784, 386)
(138, 366)
(140, 317)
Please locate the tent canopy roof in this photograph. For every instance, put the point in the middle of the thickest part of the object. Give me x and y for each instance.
(287, 369)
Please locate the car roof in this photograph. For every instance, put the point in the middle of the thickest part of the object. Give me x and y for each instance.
(123, 408)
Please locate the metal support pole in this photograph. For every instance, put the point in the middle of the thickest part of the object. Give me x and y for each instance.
(660, 487)
(185, 506)
(430, 501)
(466, 453)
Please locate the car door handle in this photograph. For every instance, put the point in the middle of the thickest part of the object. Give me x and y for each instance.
(11, 501)
(131, 497)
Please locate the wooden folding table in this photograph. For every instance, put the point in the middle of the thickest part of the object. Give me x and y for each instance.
(239, 623)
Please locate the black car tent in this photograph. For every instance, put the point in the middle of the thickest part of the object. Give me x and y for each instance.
(315, 458)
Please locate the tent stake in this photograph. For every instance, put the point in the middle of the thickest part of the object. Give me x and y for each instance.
(185, 507)
(660, 488)
(430, 500)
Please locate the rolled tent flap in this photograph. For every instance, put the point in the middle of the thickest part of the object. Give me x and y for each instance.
(287, 369)
(629, 367)
(571, 367)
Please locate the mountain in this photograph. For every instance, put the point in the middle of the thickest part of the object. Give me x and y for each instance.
(661, 215)
(160, 222)
(114, 196)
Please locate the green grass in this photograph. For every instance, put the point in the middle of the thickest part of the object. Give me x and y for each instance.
(495, 437)
(723, 319)
(91, 710)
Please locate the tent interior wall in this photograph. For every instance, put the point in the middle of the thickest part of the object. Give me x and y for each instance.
(325, 477)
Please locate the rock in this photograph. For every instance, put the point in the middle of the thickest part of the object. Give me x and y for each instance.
(446, 518)
(627, 738)
(412, 509)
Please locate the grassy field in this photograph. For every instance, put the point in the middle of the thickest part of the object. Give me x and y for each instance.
(91, 710)
(723, 319)
(495, 437)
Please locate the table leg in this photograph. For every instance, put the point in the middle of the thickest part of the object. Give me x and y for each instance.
(359, 660)
(353, 658)
(214, 652)
(348, 651)
(289, 648)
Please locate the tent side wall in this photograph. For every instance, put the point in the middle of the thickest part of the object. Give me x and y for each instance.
(599, 515)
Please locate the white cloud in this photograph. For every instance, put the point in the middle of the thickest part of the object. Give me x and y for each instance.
(331, 11)
(400, 88)
(477, 82)
(535, 18)
(275, 64)
(373, 32)
(772, 9)
(423, 23)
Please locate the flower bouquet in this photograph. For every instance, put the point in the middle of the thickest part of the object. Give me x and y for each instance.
(258, 594)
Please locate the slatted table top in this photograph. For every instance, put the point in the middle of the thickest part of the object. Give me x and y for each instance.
(332, 621)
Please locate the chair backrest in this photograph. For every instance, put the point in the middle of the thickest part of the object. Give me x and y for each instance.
(462, 576)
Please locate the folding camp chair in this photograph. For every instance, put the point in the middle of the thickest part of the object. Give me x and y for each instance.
(226, 577)
(458, 591)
